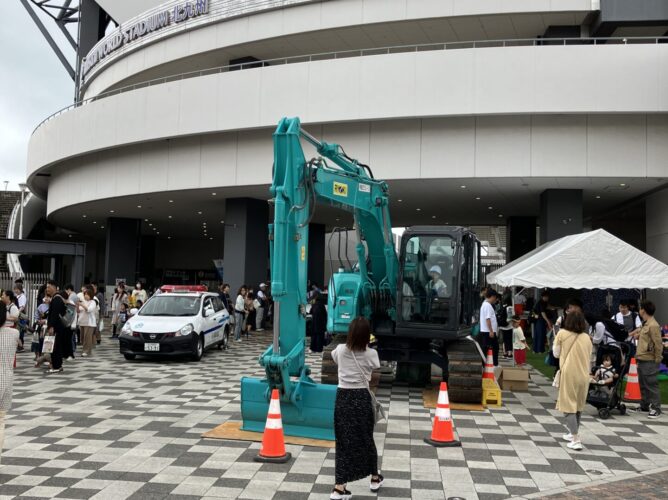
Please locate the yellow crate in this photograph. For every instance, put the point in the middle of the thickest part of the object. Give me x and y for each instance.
(491, 393)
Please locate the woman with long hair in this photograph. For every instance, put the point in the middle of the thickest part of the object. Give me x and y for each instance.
(572, 346)
(356, 454)
(120, 297)
(239, 312)
(9, 339)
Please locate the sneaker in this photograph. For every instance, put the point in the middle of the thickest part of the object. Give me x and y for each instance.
(260, 330)
(574, 445)
(376, 483)
(568, 437)
(654, 413)
(70, 358)
(52, 370)
(20, 349)
(84, 355)
(340, 495)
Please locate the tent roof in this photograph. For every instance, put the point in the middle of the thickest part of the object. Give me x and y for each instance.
(595, 259)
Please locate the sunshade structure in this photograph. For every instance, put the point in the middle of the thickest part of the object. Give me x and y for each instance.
(595, 259)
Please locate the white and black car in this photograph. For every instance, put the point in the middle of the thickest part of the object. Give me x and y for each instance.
(176, 324)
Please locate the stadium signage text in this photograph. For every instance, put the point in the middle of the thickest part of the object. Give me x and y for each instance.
(153, 22)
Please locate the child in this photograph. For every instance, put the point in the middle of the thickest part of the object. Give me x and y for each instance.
(38, 327)
(122, 318)
(519, 342)
(605, 374)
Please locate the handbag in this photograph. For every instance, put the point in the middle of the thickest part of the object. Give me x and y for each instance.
(49, 341)
(378, 410)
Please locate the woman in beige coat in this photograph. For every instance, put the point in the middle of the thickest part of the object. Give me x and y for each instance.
(573, 348)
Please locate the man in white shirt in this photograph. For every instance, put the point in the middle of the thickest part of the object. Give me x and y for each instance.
(629, 320)
(22, 301)
(489, 328)
(261, 298)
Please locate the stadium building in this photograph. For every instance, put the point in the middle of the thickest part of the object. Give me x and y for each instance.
(513, 115)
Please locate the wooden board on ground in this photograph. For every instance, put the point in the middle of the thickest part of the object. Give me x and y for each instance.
(232, 431)
(430, 397)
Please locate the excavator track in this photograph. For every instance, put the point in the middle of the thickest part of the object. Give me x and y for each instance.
(465, 372)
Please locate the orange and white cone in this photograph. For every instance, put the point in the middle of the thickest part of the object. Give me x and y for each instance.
(489, 366)
(273, 442)
(632, 390)
(442, 433)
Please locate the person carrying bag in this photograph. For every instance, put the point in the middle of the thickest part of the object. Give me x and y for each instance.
(356, 412)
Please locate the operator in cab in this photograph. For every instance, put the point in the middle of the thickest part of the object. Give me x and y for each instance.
(436, 285)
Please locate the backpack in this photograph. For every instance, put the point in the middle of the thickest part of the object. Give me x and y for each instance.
(617, 331)
(70, 313)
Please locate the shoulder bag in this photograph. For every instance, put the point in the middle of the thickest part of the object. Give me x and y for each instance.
(557, 375)
(378, 410)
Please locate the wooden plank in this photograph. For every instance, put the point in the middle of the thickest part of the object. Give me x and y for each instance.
(430, 397)
(232, 431)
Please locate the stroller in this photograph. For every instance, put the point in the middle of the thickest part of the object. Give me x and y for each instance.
(609, 397)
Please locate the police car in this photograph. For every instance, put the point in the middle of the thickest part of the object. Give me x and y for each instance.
(176, 324)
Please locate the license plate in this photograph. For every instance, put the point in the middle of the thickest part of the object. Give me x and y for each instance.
(152, 347)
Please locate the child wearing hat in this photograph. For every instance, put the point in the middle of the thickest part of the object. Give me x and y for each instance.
(519, 342)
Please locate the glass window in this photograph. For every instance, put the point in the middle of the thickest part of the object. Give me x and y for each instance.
(161, 305)
(428, 280)
(217, 304)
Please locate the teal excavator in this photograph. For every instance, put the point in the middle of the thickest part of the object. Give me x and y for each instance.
(421, 304)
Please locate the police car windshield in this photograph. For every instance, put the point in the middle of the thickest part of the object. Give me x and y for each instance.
(163, 305)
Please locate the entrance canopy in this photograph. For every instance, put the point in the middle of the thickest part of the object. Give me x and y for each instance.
(596, 259)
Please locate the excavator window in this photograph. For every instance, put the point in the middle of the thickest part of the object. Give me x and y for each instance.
(428, 279)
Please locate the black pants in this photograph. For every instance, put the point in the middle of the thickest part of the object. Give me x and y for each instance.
(58, 347)
(487, 342)
(508, 340)
(68, 348)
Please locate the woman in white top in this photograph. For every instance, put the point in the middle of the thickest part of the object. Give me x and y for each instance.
(356, 454)
(139, 293)
(12, 317)
(9, 338)
(87, 320)
(239, 312)
(120, 297)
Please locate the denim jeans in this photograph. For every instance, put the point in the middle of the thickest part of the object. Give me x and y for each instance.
(238, 324)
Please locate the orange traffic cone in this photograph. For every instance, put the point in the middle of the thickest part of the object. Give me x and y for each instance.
(632, 390)
(489, 366)
(442, 433)
(273, 443)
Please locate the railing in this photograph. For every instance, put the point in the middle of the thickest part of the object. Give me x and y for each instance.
(31, 284)
(520, 42)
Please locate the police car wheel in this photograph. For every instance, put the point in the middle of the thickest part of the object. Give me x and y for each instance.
(198, 347)
(129, 357)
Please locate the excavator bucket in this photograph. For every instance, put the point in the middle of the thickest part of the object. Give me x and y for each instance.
(310, 416)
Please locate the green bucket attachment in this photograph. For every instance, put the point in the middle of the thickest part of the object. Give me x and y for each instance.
(310, 415)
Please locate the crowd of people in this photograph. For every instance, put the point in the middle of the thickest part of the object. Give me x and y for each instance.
(573, 342)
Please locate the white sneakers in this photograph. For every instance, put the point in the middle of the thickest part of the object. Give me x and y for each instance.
(574, 445)
(340, 495)
(83, 354)
(375, 485)
(568, 437)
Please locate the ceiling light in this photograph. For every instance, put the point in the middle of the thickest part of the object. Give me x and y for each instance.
(145, 220)
(150, 223)
(500, 215)
(400, 200)
(158, 232)
(222, 222)
(462, 186)
(101, 227)
(213, 194)
(433, 216)
(69, 235)
(199, 213)
(138, 206)
(598, 196)
(84, 216)
(621, 184)
(418, 209)
(211, 238)
(169, 237)
(94, 222)
(111, 211)
(490, 208)
(169, 216)
(477, 197)
(171, 201)
(153, 229)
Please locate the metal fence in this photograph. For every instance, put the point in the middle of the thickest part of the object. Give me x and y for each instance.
(31, 284)
(480, 44)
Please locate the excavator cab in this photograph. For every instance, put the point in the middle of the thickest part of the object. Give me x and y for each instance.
(439, 281)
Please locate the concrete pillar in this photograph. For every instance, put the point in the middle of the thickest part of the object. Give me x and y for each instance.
(246, 248)
(316, 254)
(560, 213)
(656, 224)
(520, 237)
(121, 258)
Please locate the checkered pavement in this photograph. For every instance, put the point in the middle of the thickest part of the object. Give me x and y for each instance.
(109, 428)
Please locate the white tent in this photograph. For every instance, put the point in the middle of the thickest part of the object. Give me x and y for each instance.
(596, 259)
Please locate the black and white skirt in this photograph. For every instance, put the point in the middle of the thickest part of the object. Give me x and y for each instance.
(356, 454)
